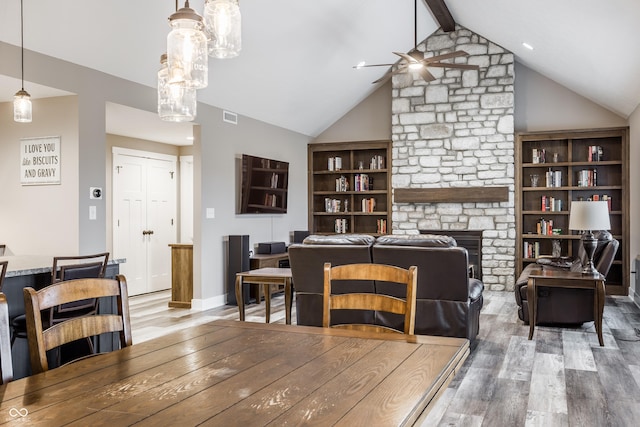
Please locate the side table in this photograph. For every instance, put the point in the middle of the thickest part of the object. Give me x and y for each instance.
(568, 280)
(266, 276)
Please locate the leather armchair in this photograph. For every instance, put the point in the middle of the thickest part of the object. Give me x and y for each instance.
(566, 306)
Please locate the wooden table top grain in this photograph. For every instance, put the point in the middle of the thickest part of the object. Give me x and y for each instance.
(242, 373)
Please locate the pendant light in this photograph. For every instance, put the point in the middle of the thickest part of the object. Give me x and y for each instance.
(176, 103)
(187, 49)
(22, 99)
(222, 22)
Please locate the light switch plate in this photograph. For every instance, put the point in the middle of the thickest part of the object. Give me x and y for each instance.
(211, 213)
(92, 212)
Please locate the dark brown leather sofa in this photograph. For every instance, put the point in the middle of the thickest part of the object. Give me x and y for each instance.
(448, 301)
(566, 306)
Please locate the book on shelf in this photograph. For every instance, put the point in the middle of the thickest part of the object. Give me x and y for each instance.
(538, 155)
(551, 204)
(600, 198)
(362, 182)
(341, 225)
(544, 227)
(531, 250)
(368, 205)
(587, 178)
(274, 180)
(595, 153)
(342, 184)
(554, 178)
(270, 200)
(381, 225)
(377, 162)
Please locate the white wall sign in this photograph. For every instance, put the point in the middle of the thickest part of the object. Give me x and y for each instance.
(40, 160)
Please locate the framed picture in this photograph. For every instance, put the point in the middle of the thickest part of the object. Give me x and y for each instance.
(40, 160)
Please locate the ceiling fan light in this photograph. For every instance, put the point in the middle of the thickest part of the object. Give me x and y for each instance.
(22, 111)
(223, 25)
(176, 102)
(187, 48)
(416, 65)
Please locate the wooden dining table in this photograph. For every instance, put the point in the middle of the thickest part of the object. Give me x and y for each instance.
(241, 373)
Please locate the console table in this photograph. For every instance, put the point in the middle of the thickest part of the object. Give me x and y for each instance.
(566, 279)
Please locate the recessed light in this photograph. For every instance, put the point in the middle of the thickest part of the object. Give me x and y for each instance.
(527, 45)
(190, 138)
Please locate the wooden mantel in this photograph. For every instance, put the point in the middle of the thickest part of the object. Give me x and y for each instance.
(451, 195)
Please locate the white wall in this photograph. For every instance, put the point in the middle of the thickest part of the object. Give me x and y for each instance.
(542, 104)
(41, 219)
(634, 204)
(370, 120)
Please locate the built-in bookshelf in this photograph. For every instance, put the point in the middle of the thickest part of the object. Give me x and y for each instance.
(350, 187)
(555, 168)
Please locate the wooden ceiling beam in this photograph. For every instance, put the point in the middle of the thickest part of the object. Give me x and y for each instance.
(441, 12)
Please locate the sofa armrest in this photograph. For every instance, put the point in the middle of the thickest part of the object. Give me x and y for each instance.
(475, 289)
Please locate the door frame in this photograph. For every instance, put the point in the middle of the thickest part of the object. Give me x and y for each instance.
(118, 151)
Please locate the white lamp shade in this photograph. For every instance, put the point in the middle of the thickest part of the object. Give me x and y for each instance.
(22, 107)
(187, 49)
(589, 216)
(223, 22)
(176, 102)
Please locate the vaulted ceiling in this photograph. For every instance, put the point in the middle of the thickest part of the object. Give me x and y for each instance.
(295, 68)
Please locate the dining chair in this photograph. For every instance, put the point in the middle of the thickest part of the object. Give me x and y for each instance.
(42, 340)
(6, 365)
(406, 278)
(68, 268)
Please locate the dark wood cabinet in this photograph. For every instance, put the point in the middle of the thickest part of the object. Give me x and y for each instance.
(350, 187)
(265, 185)
(555, 168)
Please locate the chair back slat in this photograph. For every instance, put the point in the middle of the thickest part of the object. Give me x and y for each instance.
(401, 277)
(6, 364)
(41, 340)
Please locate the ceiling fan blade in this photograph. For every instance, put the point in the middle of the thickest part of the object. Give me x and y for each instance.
(406, 57)
(371, 65)
(452, 65)
(426, 75)
(455, 54)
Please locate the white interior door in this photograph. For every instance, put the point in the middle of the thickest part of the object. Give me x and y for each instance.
(144, 205)
(161, 210)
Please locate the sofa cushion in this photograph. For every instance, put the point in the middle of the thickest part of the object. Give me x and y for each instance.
(420, 240)
(339, 239)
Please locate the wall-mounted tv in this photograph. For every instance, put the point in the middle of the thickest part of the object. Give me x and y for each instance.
(264, 184)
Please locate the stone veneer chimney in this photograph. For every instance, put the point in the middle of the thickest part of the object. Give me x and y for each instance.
(457, 131)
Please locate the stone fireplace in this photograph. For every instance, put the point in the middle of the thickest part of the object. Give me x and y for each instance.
(456, 132)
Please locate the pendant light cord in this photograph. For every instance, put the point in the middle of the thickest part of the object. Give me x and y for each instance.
(415, 24)
(22, 40)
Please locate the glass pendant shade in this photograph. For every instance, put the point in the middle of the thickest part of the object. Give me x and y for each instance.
(176, 103)
(223, 24)
(187, 49)
(22, 107)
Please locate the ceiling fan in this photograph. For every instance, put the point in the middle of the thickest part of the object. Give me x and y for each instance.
(416, 61)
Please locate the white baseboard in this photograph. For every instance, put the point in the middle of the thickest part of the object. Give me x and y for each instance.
(209, 303)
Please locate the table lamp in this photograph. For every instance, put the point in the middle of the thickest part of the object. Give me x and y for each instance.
(588, 216)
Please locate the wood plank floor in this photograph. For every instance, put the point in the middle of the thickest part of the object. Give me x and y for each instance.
(561, 378)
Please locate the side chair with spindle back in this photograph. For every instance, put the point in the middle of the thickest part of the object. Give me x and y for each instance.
(405, 278)
(41, 340)
(6, 364)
